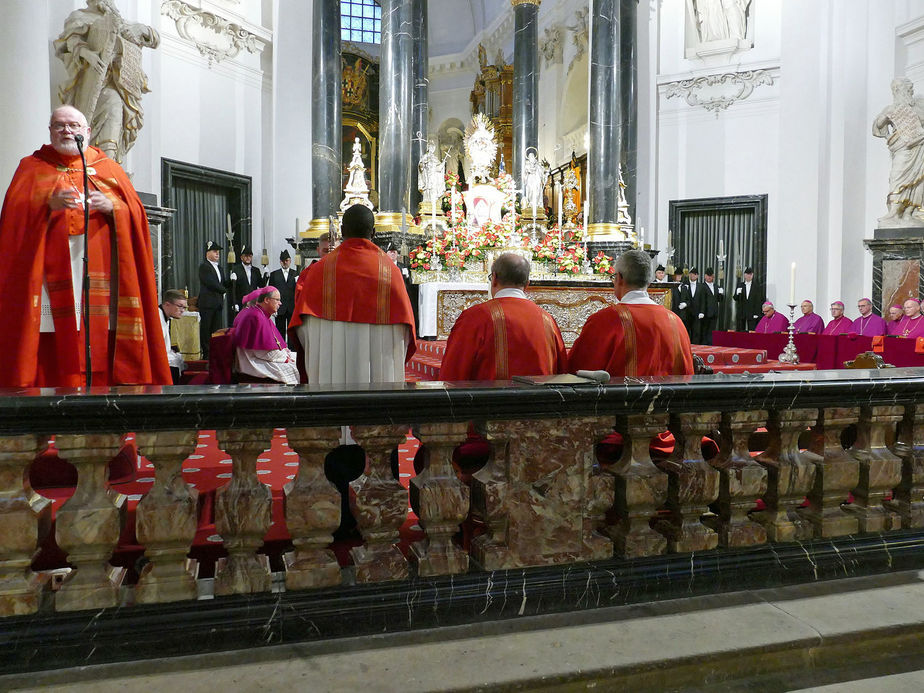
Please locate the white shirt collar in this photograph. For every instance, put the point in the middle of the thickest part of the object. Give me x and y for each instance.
(512, 292)
(637, 297)
(213, 264)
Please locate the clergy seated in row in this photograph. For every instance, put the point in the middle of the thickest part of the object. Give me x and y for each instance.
(352, 316)
(636, 337)
(840, 323)
(260, 352)
(507, 335)
(868, 324)
(896, 314)
(772, 321)
(810, 322)
(912, 324)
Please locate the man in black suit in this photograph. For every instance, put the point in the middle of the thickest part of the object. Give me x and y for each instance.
(249, 278)
(284, 280)
(690, 288)
(678, 297)
(213, 285)
(707, 300)
(749, 299)
(412, 289)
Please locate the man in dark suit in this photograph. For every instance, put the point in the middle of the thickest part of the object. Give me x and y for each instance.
(412, 289)
(249, 278)
(690, 288)
(749, 299)
(213, 285)
(284, 279)
(706, 307)
(678, 297)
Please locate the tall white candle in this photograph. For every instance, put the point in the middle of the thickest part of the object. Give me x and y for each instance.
(560, 203)
(641, 233)
(721, 247)
(792, 285)
(298, 227)
(586, 214)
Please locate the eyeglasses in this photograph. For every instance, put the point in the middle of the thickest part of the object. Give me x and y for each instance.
(61, 127)
(181, 306)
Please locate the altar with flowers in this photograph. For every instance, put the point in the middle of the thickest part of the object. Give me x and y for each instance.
(466, 230)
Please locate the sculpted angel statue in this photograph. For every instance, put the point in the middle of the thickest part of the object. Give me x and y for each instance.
(102, 54)
(480, 146)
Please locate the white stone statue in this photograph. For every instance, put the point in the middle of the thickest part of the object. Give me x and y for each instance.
(480, 147)
(622, 205)
(102, 54)
(901, 123)
(718, 20)
(356, 191)
(430, 181)
(535, 173)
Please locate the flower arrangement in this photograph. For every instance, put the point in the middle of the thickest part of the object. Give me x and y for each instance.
(421, 256)
(571, 259)
(603, 264)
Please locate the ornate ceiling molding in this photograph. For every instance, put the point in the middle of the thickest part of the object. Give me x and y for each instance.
(216, 38)
(716, 93)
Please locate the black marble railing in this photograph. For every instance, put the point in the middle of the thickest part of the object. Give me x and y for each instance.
(807, 476)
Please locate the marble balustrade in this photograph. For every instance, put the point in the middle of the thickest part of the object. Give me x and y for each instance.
(544, 497)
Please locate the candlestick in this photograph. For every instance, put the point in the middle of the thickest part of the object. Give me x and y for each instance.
(792, 284)
(560, 203)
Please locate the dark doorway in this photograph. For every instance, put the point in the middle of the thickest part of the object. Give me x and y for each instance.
(740, 223)
(203, 198)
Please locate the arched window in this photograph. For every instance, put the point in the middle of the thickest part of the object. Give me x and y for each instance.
(360, 21)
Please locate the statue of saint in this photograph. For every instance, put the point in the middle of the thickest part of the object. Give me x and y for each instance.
(356, 191)
(102, 54)
(430, 181)
(718, 20)
(901, 123)
(534, 176)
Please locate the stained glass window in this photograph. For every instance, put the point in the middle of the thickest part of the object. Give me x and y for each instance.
(360, 21)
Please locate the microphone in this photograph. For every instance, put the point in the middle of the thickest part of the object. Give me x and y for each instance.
(79, 140)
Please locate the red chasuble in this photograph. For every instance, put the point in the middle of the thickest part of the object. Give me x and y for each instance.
(355, 282)
(501, 338)
(125, 332)
(633, 340)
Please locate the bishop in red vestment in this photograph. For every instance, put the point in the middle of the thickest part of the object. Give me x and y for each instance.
(507, 335)
(637, 337)
(41, 246)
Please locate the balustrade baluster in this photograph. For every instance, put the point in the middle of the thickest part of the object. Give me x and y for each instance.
(312, 511)
(741, 480)
(908, 500)
(880, 470)
(381, 507)
(835, 475)
(441, 502)
(692, 483)
(21, 526)
(600, 490)
(165, 520)
(790, 475)
(641, 488)
(243, 513)
(87, 526)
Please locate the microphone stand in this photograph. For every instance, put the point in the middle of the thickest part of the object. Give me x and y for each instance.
(88, 362)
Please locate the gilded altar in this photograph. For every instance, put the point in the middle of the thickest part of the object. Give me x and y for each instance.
(569, 305)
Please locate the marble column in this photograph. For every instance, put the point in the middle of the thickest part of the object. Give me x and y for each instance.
(326, 115)
(420, 111)
(605, 98)
(628, 100)
(24, 37)
(395, 122)
(525, 82)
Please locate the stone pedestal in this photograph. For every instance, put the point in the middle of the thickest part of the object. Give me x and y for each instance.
(312, 511)
(166, 519)
(87, 526)
(898, 265)
(880, 470)
(741, 480)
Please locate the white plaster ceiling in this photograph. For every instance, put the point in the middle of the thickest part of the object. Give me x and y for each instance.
(454, 23)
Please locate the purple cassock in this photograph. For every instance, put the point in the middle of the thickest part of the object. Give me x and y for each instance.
(895, 326)
(911, 327)
(254, 329)
(809, 323)
(871, 325)
(841, 325)
(775, 323)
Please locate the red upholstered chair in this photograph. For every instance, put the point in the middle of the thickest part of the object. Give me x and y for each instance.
(221, 357)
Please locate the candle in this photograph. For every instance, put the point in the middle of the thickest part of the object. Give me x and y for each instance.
(298, 227)
(230, 232)
(641, 233)
(721, 247)
(670, 241)
(559, 207)
(586, 214)
(792, 285)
